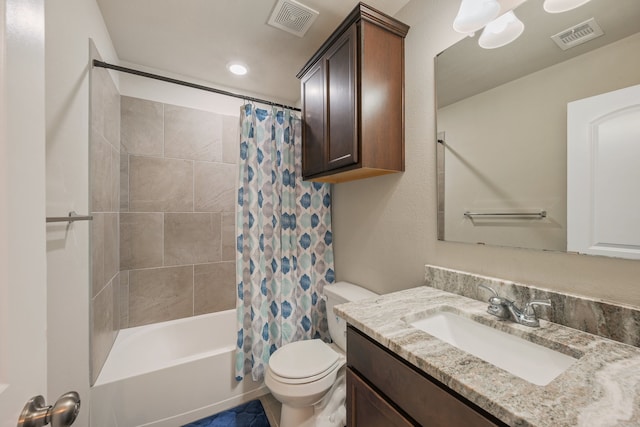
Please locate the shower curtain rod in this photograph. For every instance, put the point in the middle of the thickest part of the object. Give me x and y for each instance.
(102, 64)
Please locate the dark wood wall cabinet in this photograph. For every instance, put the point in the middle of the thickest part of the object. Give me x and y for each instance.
(353, 100)
(385, 390)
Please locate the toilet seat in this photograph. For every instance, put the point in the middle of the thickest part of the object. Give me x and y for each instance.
(304, 362)
(338, 364)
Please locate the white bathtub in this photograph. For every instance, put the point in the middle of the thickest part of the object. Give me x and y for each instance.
(171, 373)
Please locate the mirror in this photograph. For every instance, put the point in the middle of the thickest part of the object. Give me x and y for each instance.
(502, 122)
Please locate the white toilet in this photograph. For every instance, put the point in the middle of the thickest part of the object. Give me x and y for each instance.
(301, 373)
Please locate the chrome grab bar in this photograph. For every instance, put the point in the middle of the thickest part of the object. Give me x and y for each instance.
(541, 214)
(73, 216)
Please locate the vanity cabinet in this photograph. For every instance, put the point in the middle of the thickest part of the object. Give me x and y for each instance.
(385, 390)
(353, 100)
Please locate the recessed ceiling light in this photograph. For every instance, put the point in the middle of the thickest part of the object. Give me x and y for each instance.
(237, 68)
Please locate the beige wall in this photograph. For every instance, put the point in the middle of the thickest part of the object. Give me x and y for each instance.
(489, 170)
(385, 227)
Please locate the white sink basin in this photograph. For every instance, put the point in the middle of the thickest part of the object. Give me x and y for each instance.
(532, 362)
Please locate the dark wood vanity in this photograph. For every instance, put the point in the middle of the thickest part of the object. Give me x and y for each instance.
(353, 100)
(383, 390)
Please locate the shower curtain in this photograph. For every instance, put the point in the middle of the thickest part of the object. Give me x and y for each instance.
(284, 244)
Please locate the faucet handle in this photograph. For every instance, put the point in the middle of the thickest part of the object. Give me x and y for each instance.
(497, 304)
(495, 299)
(528, 308)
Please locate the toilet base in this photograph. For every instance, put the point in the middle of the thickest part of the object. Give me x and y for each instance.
(297, 417)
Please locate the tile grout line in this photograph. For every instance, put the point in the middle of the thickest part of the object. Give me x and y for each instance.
(193, 290)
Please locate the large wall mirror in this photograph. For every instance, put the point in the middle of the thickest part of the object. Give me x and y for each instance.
(507, 172)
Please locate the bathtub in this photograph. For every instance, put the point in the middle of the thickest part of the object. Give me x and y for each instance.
(171, 373)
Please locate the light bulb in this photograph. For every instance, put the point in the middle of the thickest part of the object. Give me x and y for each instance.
(559, 6)
(501, 31)
(237, 69)
(475, 14)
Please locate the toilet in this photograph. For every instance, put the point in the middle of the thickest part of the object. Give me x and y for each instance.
(302, 375)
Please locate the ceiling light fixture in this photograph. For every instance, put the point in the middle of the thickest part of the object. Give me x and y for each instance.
(475, 14)
(501, 31)
(237, 68)
(559, 6)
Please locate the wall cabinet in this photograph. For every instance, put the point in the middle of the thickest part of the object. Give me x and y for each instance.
(353, 100)
(385, 390)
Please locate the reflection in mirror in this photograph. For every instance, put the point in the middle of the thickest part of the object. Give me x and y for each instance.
(502, 122)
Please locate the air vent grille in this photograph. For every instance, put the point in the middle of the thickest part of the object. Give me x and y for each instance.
(292, 17)
(578, 34)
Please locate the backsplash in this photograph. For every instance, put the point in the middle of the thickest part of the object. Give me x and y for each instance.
(617, 322)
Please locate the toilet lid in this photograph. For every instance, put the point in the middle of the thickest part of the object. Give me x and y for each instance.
(303, 359)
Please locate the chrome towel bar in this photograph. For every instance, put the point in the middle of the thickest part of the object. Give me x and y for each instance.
(73, 216)
(541, 214)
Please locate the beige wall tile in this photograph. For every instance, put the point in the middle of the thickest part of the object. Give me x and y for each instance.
(142, 126)
(114, 181)
(124, 299)
(111, 246)
(160, 185)
(116, 288)
(97, 254)
(100, 174)
(215, 187)
(104, 172)
(160, 294)
(102, 333)
(228, 236)
(96, 104)
(124, 182)
(111, 125)
(214, 287)
(192, 238)
(141, 240)
(192, 134)
(230, 139)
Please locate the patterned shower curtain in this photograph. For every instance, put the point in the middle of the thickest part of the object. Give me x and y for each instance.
(284, 244)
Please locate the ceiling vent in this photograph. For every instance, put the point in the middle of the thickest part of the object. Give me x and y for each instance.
(578, 34)
(292, 17)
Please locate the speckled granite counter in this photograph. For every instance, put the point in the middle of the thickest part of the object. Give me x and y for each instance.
(601, 389)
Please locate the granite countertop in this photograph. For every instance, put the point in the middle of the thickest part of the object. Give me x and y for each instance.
(601, 389)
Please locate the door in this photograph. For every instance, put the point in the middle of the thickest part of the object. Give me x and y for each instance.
(22, 207)
(365, 407)
(603, 153)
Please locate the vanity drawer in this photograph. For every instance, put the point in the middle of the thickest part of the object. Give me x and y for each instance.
(424, 399)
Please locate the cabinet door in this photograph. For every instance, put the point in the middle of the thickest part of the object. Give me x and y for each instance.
(313, 131)
(341, 68)
(366, 408)
(424, 399)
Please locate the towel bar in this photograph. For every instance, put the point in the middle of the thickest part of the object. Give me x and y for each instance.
(73, 216)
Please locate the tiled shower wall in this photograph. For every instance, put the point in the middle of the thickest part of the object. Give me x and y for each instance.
(178, 170)
(104, 172)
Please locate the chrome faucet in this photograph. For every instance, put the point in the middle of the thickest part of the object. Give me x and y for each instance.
(504, 308)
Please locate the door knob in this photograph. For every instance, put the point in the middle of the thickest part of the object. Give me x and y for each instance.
(62, 414)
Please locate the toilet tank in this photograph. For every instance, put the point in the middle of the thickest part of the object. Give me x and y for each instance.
(339, 293)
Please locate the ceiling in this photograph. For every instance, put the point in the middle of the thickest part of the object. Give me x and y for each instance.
(198, 38)
(465, 69)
